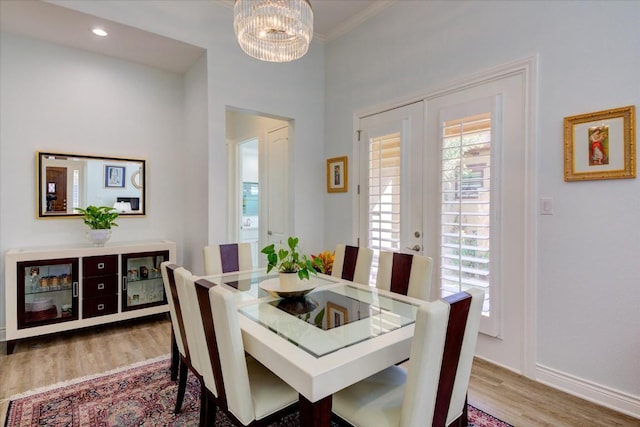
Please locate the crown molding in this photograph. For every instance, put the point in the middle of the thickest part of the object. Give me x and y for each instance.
(376, 7)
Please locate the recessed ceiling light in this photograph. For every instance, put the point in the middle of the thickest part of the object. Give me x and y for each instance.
(99, 32)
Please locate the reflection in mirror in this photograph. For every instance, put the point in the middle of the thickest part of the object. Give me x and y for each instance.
(69, 181)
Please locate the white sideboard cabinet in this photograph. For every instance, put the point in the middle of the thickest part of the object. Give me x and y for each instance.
(56, 289)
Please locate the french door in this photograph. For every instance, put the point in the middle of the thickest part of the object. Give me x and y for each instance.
(446, 178)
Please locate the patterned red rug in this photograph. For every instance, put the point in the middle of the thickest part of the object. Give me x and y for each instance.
(138, 396)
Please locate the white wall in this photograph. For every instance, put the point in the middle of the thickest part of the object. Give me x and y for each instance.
(194, 154)
(58, 99)
(588, 293)
(294, 90)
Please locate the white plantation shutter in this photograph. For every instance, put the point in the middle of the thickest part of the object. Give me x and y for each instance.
(76, 190)
(384, 196)
(465, 214)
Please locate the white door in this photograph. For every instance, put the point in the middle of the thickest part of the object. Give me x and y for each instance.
(277, 187)
(391, 181)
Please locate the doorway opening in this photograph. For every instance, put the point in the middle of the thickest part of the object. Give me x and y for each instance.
(259, 188)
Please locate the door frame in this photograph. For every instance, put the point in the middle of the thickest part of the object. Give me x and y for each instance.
(527, 68)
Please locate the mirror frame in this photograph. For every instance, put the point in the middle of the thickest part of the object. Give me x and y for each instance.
(138, 180)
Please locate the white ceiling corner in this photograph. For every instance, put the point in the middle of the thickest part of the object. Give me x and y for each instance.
(56, 24)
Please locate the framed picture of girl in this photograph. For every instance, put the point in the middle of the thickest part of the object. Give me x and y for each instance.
(600, 145)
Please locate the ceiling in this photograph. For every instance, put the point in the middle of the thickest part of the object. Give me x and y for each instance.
(56, 24)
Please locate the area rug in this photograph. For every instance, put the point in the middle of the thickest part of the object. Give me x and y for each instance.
(142, 395)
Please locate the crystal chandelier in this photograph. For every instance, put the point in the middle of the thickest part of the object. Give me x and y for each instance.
(273, 30)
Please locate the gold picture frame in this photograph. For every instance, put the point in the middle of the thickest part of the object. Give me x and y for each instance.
(600, 145)
(337, 175)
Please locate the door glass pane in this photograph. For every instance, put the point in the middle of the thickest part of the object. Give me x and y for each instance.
(466, 205)
(384, 196)
(144, 280)
(48, 292)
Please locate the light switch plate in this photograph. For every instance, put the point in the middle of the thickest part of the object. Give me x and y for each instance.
(546, 206)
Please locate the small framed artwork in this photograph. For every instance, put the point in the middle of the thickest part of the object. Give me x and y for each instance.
(337, 175)
(114, 176)
(600, 145)
(336, 315)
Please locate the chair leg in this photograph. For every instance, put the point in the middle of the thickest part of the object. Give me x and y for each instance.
(175, 357)
(207, 407)
(182, 386)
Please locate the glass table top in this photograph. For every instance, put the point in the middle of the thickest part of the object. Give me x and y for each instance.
(329, 319)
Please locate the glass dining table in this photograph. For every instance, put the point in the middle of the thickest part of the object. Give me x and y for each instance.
(319, 343)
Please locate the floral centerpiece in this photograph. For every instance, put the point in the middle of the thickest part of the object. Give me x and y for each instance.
(326, 261)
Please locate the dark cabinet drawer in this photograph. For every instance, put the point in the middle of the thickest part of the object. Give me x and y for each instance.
(93, 307)
(99, 265)
(99, 286)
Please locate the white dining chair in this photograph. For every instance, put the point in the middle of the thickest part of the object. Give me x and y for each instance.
(405, 274)
(249, 393)
(226, 258)
(177, 346)
(180, 355)
(352, 263)
(196, 341)
(433, 389)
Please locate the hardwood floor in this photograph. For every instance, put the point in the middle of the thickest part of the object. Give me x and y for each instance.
(48, 360)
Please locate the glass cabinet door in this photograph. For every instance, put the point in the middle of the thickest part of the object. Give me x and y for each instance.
(142, 284)
(47, 292)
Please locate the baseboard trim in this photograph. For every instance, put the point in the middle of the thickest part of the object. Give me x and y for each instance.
(500, 365)
(3, 334)
(596, 393)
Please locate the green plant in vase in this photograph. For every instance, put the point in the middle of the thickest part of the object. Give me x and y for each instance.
(100, 219)
(291, 260)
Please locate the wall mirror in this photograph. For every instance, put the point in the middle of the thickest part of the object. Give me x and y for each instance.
(69, 181)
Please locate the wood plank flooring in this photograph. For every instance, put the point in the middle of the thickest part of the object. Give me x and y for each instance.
(48, 360)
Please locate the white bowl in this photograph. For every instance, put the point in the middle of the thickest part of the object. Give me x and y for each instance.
(273, 287)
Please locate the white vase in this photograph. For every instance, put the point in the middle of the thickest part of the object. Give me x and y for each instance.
(288, 281)
(99, 237)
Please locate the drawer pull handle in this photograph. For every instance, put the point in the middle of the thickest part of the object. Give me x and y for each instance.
(100, 265)
(100, 285)
(100, 307)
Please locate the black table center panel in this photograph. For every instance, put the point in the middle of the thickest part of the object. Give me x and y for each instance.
(332, 303)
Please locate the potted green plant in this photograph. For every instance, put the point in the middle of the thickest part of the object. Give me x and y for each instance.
(291, 264)
(100, 219)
